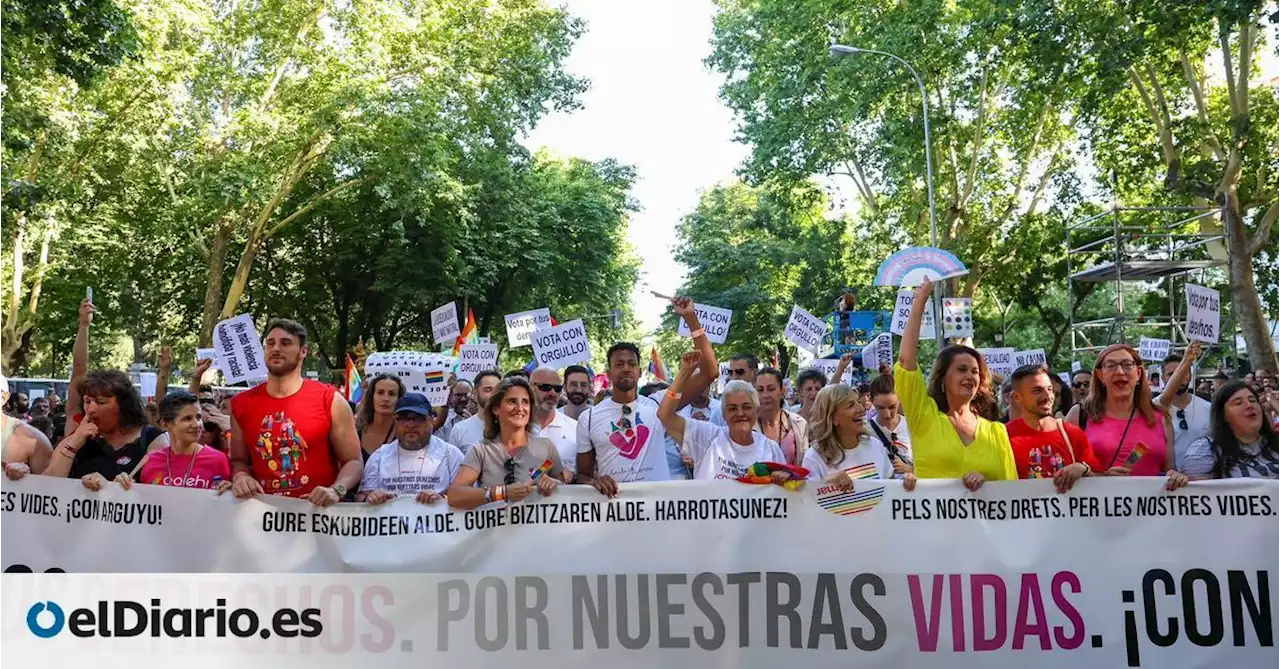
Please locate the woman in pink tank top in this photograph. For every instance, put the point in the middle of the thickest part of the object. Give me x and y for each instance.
(1130, 434)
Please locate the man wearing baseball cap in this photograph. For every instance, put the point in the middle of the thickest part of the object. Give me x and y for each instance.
(417, 463)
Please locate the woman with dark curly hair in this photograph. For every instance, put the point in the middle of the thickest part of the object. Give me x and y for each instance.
(1241, 443)
(951, 438)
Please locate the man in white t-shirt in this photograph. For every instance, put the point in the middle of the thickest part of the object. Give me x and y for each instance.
(1190, 413)
(416, 464)
(458, 405)
(550, 423)
(469, 432)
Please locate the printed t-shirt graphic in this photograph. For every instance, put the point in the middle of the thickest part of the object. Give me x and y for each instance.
(288, 437)
(716, 456)
(205, 468)
(628, 440)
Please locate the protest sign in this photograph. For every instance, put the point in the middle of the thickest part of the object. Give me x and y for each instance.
(878, 352)
(999, 360)
(475, 358)
(1035, 356)
(521, 326)
(240, 355)
(421, 372)
(444, 324)
(902, 312)
(36, 393)
(957, 317)
(562, 345)
(1075, 366)
(1204, 314)
(206, 354)
(1154, 350)
(805, 330)
(828, 367)
(714, 320)
(147, 383)
(483, 340)
(724, 375)
(957, 579)
(1066, 377)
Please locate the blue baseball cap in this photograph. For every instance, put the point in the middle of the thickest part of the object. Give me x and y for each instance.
(414, 403)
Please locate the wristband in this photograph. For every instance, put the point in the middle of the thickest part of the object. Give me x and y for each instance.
(500, 493)
(673, 394)
(697, 333)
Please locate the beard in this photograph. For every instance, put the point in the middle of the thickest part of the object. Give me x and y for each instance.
(284, 367)
(577, 399)
(626, 385)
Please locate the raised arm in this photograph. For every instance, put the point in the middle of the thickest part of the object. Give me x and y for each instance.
(164, 364)
(910, 345)
(197, 376)
(79, 366)
(840, 367)
(709, 365)
(668, 411)
(1180, 375)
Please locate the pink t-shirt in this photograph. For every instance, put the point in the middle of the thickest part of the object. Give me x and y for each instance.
(164, 467)
(1104, 437)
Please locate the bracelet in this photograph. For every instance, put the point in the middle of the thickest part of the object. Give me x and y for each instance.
(697, 333)
(500, 493)
(673, 394)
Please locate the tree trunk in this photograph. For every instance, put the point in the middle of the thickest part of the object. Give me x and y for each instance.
(1245, 303)
(240, 280)
(213, 289)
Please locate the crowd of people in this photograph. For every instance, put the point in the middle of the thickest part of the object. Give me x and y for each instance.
(506, 437)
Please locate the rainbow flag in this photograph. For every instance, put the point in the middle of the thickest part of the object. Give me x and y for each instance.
(470, 333)
(436, 376)
(656, 368)
(354, 389)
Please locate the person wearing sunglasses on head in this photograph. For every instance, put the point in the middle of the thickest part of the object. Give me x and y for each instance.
(511, 462)
(551, 423)
(1190, 413)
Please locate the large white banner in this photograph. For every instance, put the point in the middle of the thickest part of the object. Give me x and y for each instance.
(1117, 573)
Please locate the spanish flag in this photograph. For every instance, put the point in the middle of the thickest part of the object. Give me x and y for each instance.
(656, 368)
(354, 384)
(470, 333)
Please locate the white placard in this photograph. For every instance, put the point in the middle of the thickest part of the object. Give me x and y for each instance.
(1066, 377)
(902, 313)
(421, 372)
(444, 324)
(521, 326)
(805, 330)
(878, 352)
(562, 345)
(770, 607)
(240, 356)
(147, 382)
(714, 320)
(957, 317)
(206, 354)
(1204, 314)
(1075, 366)
(1154, 350)
(36, 393)
(1034, 356)
(999, 360)
(724, 375)
(828, 367)
(475, 358)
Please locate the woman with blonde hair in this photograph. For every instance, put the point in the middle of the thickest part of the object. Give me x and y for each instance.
(843, 447)
(1130, 433)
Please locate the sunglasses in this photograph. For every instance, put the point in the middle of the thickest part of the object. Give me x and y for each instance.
(510, 466)
(737, 372)
(626, 417)
(1080, 386)
(548, 387)
(1182, 419)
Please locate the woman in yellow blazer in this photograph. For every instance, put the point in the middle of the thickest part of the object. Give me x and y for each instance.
(949, 438)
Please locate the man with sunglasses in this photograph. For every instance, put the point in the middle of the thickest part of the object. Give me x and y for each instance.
(417, 463)
(742, 367)
(550, 423)
(1080, 385)
(1190, 413)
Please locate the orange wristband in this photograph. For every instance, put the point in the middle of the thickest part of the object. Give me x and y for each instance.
(499, 493)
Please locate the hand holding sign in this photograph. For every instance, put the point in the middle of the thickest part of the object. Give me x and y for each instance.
(714, 321)
(1204, 314)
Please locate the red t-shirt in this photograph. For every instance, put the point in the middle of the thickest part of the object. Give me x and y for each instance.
(1041, 454)
(288, 437)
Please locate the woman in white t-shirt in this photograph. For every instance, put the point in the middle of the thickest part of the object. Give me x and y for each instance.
(843, 448)
(718, 452)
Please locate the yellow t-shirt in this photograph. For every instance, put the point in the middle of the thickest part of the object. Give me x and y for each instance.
(935, 444)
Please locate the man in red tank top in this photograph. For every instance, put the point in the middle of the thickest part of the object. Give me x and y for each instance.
(292, 436)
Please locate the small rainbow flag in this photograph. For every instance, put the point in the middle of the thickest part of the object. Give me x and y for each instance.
(354, 384)
(436, 376)
(544, 468)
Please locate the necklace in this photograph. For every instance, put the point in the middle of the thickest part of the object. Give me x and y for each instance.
(168, 467)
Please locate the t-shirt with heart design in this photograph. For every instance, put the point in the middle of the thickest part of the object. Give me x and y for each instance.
(629, 443)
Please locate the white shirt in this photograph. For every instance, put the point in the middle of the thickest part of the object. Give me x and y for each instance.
(402, 471)
(449, 422)
(467, 433)
(868, 460)
(628, 454)
(716, 456)
(904, 437)
(691, 412)
(563, 432)
(1197, 417)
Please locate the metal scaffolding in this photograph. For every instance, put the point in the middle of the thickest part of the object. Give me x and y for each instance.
(1135, 245)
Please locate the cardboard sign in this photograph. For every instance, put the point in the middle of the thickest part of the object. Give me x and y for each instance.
(1204, 314)
(562, 345)
(475, 358)
(724, 375)
(147, 380)
(421, 372)
(1154, 350)
(1035, 356)
(714, 320)
(805, 330)
(444, 324)
(957, 317)
(1066, 378)
(878, 352)
(828, 367)
(521, 326)
(999, 360)
(1075, 366)
(240, 355)
(208, 354)
(902, 312)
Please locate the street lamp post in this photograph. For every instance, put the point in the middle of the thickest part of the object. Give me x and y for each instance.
(839, 51)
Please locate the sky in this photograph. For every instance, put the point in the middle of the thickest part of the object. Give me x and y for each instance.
(652, 105)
